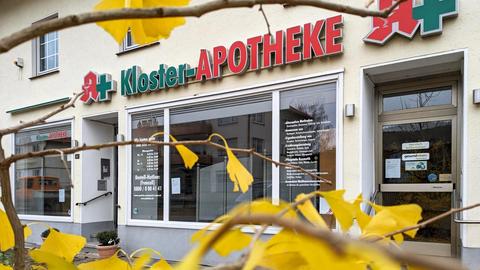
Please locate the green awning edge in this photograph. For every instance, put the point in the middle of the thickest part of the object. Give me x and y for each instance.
(39, 105)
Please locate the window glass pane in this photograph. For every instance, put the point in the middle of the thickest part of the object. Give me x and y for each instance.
(51, 62)
(43, 51)
(51, 48)
(417, 152)
(42, 185)
(42, 39)
(205, 192)
(43, 64)
(147, 168)
(307, 139)
(417, 99)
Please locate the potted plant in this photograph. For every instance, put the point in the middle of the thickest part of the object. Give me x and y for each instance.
(107, 243)
(46, 233)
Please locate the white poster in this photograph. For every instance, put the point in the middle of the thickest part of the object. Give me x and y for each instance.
(392, 168)
(416, 156)
(176, 185)
(61, 195)
(415, 145)
(416, 166)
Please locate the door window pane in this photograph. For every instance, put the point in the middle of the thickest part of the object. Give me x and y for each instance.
(42, 185)
(147, 168)
(417, 99)
(417, 152)
(307, 139)
(205, 192)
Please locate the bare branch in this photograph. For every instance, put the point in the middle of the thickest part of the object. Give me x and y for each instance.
(42, 119)
(66, 151)
(42, 28)
(265, 18)
(432, 220)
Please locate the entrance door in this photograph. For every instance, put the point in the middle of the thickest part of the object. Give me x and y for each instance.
(417, 158)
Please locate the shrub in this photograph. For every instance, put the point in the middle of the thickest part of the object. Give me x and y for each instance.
(107, 238)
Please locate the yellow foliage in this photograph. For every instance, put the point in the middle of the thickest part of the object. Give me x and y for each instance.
(161, 265)
(255, 255)
(143, 30)
(141, 261)
(188, 156)
(362, 218)
(234, 240)
(344, 211)
(110, 263)
(63, 245)
(52, 261)
(7, 239)
(309, 212)
(5, 267)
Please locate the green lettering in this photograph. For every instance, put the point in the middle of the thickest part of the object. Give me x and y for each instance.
(153, 82)
(171, 77)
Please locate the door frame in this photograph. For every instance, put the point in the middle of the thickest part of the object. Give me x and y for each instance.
(433, 113)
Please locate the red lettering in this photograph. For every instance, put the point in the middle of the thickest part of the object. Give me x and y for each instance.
(311, 40)
(242, 61)
(219, 58)
(275, 47)
(253, 43)
(291, 43)
(204, 68)
(332, 33)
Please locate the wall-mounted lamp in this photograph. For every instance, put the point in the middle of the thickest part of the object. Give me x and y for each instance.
(18, 62)
(350, 110)
(476, 96)
(120, 138)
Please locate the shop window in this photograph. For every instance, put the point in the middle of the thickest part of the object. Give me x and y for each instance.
(307, 138)
(42, 185)
(205, 191)
(45, 52)
(417, 99)
(147, 169)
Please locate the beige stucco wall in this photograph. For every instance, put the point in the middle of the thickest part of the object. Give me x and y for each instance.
(90, 48)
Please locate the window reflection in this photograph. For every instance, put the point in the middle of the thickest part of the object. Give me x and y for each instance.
(417, 99)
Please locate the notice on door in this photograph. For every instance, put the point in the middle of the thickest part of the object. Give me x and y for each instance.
(392, 168)
(415, 146)
(415, 166)
(416, 156)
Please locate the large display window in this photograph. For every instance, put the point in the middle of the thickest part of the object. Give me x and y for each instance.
(303, 120)
(42, 185)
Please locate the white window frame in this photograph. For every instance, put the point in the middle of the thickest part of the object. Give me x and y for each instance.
(72, 169)
(334, 76)
(124, 46)
(36, 51)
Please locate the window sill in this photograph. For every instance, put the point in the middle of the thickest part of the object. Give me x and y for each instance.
(126, 51)
(46, 218)
(46, 73)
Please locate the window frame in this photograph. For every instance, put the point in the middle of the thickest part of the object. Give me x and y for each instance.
(52, 124)
(36, 69)
(274, 88)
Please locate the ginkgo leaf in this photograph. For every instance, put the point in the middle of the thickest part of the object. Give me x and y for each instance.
(63, 245)
(238, 174)
(344, 211)
(188, 156)
(264, 206)
(7, 238)
(200, 234)
(392, 218)
(143, 30)
(309, 212)
(233, 240)
(362, 218)
(5, 267)
(141, 261)
(192, 259)
(255, 255)
(161, 265)
(110, 263)
(52, 261)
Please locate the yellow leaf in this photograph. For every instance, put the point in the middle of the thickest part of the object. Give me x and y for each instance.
(110, 263)
(238, 174)
(143, 30)
(391, 218)
(362, 218)
(192, 259)
(233, 240)
(52, 261)
(7, 238)
(63, 245)
(309, 212)
(161, 265)
(370, 258)
(5, 267)
(264, 206)
(200, 234)
(255, 256)
(344, 211)
(188, 156)
(141, 261)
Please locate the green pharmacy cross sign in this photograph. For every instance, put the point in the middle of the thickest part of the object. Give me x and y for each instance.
(409, 16)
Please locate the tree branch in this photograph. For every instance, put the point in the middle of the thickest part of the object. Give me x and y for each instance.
(42, 28)
(42, 119)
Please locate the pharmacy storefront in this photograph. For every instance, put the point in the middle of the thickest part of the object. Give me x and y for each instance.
(382, 107)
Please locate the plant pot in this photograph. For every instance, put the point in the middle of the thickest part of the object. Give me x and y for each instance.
(106, 251)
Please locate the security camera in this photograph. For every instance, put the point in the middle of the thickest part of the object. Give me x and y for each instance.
(19, 62)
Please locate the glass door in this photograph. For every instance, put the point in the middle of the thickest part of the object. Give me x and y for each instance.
(417, 161)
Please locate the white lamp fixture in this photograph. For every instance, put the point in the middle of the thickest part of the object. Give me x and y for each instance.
(350, 110)
(476, 96)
